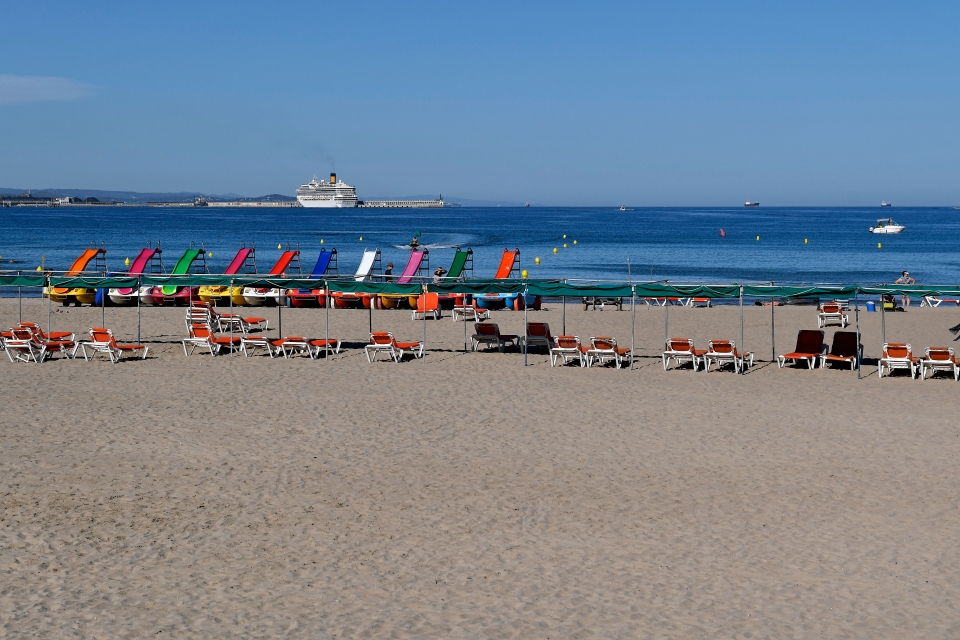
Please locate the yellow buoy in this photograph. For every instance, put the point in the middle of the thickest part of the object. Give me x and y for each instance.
(804, 241)
(524, 274)
(879, 246)
(279, 246)
(564, 245)
(39, 268)
(127, 262)
(361, 238)
(321, 240)
(537, 260)
(574, 242)
(758, 237)
(210, 255)
(554, 249)
(564, 236)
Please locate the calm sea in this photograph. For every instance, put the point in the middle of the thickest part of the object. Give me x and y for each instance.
(680, 244)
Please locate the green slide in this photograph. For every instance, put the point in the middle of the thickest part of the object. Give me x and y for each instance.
(459, 261)
(183, 266)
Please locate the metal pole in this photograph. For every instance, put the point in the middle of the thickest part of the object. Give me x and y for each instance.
(464, 321)
(883, 321)
(138, 309)
(326, 328)
(423, 350)
(629, 277)
(633, 321)
(666, 319)
(48, 305)
(103, 307)
(232, 320)
(773, 335)
(370, 308)
(856, 316)
(564, 298)
(20, 298)
(526, 328)
(743, 347)
(279, 315)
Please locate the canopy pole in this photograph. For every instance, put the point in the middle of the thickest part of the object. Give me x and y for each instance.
(564, 303)
(856, 317)
(48, 305)
(743, 347)
(279, 316)
(883, 321)
(773, 334)
(138, 309)
(464, 319)
(370, 308)
(423, 352)
(20, 298)
(666, 320)
(103, 307)
(326, 327)
(526, 328)
(633, 320)
(232, 320)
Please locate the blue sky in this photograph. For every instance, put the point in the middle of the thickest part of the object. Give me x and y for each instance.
(679, 103)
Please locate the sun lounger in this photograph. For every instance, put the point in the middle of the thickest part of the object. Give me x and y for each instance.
(468, 312)
(24, 345)
(939, 359)
(292, 345)
(203, 336)
(538, 335)
(203, 313)
(725, 352)
(427, 305)
(604, 349)
(568, 348)
(809, 348)
(699, 302)
(681, 350)
(249, 345)
(322, 345)
(489, 333)
(384, 342)
(934, 301)
(102, 340)
(35, 328)
(898, 355)
(831, 313)
(845, 350)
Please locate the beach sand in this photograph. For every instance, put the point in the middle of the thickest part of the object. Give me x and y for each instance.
(469, 496)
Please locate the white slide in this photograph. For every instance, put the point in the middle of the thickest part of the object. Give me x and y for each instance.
(366, 264)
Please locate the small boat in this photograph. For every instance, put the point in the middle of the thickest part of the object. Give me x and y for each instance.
(887, 225)
(751, 204)
(623, 208)
(885, 204)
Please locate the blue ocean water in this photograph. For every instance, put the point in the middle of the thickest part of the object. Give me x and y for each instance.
(679, 244)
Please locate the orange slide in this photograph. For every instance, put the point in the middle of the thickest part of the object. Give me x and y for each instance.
(80, 296)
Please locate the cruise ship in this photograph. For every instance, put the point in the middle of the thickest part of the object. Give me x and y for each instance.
(327, 194)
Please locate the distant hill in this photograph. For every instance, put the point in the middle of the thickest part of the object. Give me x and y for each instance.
(137, 196)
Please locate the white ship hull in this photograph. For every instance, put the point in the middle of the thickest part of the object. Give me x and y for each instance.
(325, 204)
(894, 228)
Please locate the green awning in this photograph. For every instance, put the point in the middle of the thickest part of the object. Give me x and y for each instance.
(478, 287)
(23, 281)
(562, 289)
(660, 290)
(915, 290)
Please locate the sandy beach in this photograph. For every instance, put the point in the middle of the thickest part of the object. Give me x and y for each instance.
(466, 495)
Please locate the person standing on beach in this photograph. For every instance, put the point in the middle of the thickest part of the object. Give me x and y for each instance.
(905, 279)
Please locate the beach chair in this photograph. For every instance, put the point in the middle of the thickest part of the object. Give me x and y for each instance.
(831, 313)
(427, 305)
(34, 328)
(102, 340)
(604, 349)
(467, 312)
(538, 335)
(21, 347)
(321, 346)
(681, 350)
(384, 342)
(42, 348)
(939, 359)
(934, 301)
(725, 352)
(898, 355)
(489, 333)
(292, 345)
(809, 348)
(845, 350)
(700, 302)
(249, 345)
(568, 348)
(203, 336)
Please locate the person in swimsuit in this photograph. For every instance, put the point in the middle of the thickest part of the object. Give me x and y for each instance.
(905, 279)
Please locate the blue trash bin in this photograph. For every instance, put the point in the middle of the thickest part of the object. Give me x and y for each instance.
(871, 307)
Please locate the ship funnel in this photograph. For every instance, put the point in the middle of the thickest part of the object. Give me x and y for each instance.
(333, 178)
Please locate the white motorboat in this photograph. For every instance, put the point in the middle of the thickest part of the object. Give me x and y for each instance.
(887, 225)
